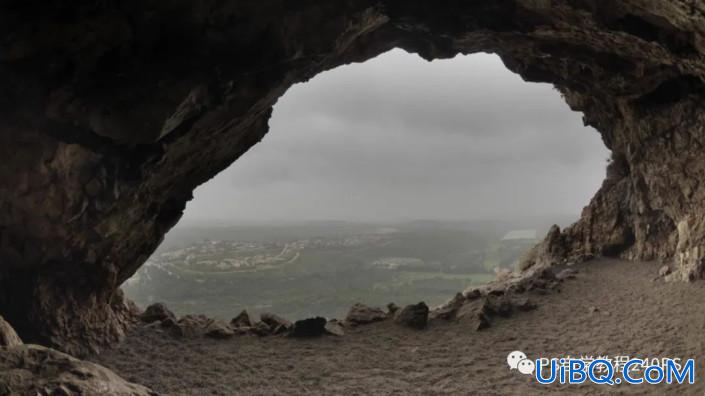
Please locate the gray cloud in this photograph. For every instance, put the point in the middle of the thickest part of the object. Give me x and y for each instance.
(401, 138)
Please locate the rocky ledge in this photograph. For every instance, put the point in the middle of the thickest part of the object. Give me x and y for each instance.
(35, 370)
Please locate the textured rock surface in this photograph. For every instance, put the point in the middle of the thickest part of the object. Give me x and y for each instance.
(311, 327)
(114, 111)
(219, 330)
(36, 370)
(414, 316)
(360, 314)
(8, 336)
(156, 313)
(241, 320)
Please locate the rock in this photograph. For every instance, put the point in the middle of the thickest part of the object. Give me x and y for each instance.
(414, 316)
(312, 327)
(241, 320)
(497, 305)
(219, 330)
(333, 327)
(502, 274)
(473, 315)
(156, 313)
(482, 321)
(360, 314)
(278, 324)
(191, 326)
(664, 270)
(8, 336)
(593, 309)
(449, 310)
(523, 303)
(243, 330)
(473, 293)
(36, 370)
(261, 329)
(392, 308)
(169, 323)
(568, 273)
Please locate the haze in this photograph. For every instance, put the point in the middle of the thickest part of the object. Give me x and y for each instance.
(399, 138)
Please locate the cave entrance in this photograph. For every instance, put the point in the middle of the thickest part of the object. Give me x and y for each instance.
(393, 180)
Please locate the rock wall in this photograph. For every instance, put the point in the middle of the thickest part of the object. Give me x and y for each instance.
(114, 111)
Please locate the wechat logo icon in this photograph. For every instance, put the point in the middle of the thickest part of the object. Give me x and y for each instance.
(517, 361)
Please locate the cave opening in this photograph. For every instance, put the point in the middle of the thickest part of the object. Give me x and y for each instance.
(114, 113)
(392, 180)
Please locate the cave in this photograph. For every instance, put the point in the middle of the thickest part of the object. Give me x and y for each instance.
(113, 112)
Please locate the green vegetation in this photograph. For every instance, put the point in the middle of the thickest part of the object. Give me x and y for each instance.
(319, 268)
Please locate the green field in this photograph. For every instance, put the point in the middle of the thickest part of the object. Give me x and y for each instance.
(324, 276)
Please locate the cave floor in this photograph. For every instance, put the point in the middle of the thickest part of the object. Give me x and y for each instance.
(612, 308)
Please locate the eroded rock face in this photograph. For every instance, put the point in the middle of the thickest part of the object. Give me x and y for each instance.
(414, 316)
(8, 336)
(36, 370)
(360, 314)
(113, 112)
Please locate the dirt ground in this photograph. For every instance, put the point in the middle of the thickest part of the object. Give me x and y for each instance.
(635, 316)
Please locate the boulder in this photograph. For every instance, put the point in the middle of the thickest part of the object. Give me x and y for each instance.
(333, 327)
(497, 305)
(414, 316)
(169, 323)
(8, 336)
(191, 326)
(474, 315)
(156, 313)
(392, 308)
(362, 314)
(261, 329)
(36, 370)
(219, 330)
(311, 327)
(278, 324)
(449, 310)
(241, 320)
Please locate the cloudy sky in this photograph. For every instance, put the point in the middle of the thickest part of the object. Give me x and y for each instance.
(399, 138)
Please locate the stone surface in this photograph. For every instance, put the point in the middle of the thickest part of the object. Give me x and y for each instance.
(311, 327)
(156, 313)
(473, 315)
(414, 316)
(113, 113)
(241, 320)
(8, 336)
(333, 327)
(277, 324)
(261, 329)
(219, 330)
(36, 370)
(472, 293)
(360, 314)
(191, 326)
(523, 303)
(449, 310)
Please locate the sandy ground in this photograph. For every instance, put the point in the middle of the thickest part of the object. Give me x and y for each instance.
(636, 317)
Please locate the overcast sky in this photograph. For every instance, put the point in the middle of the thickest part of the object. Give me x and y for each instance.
(399, 138)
